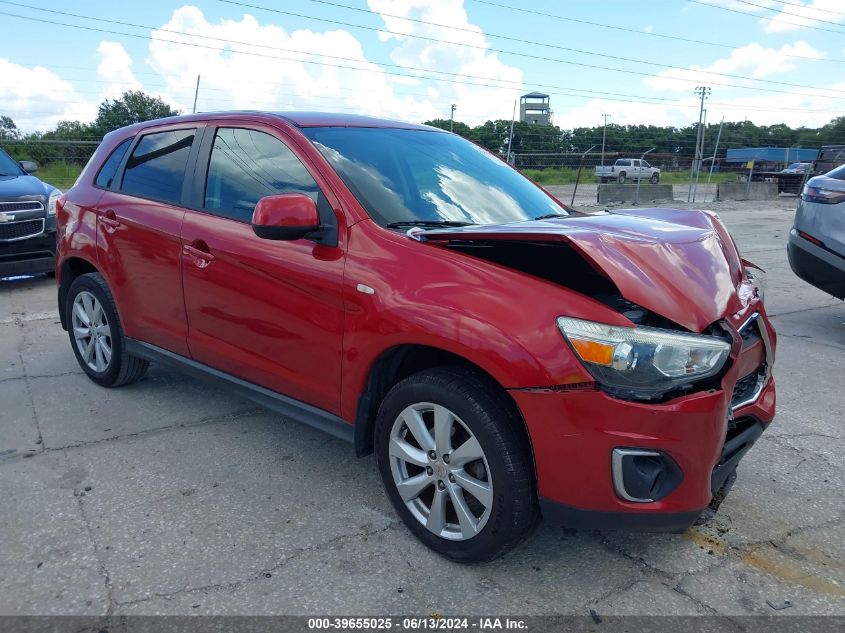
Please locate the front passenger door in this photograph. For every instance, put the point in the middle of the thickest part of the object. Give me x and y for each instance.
(269, 312)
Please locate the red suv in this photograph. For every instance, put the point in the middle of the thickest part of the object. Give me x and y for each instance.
(394, 285)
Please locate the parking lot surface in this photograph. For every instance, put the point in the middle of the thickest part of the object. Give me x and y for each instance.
(171, 497)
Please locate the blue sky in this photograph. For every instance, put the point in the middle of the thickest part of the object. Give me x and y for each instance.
(789, 68)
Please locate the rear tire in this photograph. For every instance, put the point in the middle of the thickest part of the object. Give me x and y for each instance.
(451, 440)
(96, 335)
(621, 178)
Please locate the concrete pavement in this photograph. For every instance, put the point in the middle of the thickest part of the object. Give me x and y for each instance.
(170, 497)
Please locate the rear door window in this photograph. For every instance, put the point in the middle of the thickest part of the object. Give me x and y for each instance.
(838, 173)
(247, 165)
(107, 172)
(156, 168)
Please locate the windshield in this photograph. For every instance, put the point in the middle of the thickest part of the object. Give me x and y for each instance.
(420, 176)
(8, 167)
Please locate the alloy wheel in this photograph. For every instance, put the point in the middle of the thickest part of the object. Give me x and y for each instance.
(91, 331)
(440, 471)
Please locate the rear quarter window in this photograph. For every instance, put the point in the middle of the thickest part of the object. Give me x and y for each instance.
(105, 176)
(623, 163)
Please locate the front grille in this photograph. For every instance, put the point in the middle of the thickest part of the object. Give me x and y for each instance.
(746, 386)
(750, 334)
(10, 231)
(32, 205)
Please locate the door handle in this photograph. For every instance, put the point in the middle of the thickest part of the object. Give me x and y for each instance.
(202, 257)
(109, 220)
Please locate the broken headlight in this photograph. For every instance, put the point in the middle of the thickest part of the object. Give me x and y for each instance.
(643, 362)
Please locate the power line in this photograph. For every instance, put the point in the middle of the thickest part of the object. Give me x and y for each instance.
(500, 86)
(807, 6)
(628, 30)
(562, 61)
(531, 42)
(763, 17)
(797, 15)
(528, 55)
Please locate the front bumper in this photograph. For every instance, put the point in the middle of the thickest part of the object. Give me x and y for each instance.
(574, 434)
(817, 266)
(29, 256)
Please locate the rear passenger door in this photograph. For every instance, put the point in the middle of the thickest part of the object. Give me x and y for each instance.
(139, 222)
(269, 312)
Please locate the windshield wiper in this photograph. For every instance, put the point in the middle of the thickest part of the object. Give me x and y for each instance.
(549, 216)
(431, 223)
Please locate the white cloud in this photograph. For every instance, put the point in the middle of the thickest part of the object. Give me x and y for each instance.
(115, 69)
(37, 98)
(476, 104)
(304, 75)
(802, 107)
(751, 60)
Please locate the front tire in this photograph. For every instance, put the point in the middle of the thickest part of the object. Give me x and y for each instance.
(456, 464)
(96, 335)
(655, 178)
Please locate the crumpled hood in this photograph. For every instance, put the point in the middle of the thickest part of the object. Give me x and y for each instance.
(681, 264)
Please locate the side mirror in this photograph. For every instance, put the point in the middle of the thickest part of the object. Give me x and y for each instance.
(29, 166)
(287, 216)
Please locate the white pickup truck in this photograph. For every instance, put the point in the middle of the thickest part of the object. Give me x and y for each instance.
(626, 169)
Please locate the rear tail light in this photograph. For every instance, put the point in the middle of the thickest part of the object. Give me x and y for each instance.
(823, 196)
(810, 238)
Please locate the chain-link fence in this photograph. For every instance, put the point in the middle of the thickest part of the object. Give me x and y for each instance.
(59, 162)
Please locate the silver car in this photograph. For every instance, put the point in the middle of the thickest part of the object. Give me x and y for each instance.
(816, 245)
(797, 168)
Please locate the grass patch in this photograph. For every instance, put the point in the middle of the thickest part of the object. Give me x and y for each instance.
(59, 174)
(567, 176)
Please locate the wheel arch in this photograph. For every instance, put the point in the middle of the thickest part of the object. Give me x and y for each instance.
(71, 268)
(399, 362)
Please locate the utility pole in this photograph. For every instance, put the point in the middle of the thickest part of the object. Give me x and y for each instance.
(639, 180)
(452, 118)
(703, 92)
(196, 94)
(700, 155)
(713, 160)
(603, 136)
(510, 138)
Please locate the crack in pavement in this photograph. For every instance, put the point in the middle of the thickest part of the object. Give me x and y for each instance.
(783, 442)
(263, 574)
(809, 339)
(236, 415)
(24, 318)
(28, 387)
(774, 315)
(38, 376)
(104, 572)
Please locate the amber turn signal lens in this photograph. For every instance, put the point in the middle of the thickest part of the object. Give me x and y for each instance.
(593, 352)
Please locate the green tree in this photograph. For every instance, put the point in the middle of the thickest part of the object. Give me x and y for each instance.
(133, 106)
(492, 135)
(8, 130)
(457, 127)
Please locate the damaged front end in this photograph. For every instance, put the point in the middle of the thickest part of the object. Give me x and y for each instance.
(685, 386)
(675, 275)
